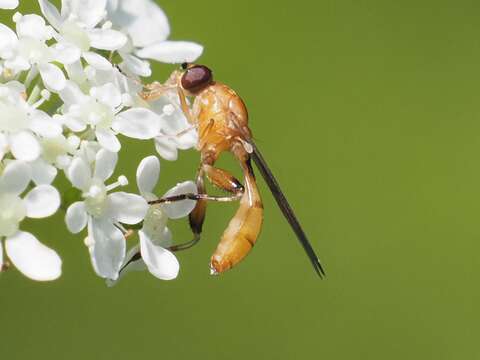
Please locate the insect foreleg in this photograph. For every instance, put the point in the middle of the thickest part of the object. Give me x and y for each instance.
(184, 105)
(155, 90)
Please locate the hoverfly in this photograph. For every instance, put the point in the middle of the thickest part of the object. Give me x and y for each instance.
(221, 119)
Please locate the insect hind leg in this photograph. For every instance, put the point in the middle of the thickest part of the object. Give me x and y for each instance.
(219, 178)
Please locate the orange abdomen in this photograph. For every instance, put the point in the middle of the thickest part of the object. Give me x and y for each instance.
(243, 230)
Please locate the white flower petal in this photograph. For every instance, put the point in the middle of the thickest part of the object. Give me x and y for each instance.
(72, 94)
(148, 172)
(33, 26)
(75, 72)
(173, 119)
(15, 86)
(166, 148)
(8, 4)
(105, 162)
(42, 201)
(129, 265)
(66, 53)
(17, 64)
(88, 12)
(107, 39)
(32, 258)
(24, 146)
(112, 6)
(186, 140)
(76, 217)
(143, 20)
(172, 52)
(107, 94)
(50, 12)
(107, 250)
(127, 208)
(79, 174)
(136, 65)
(53, 78)
(160, 262)
(73, 123)
(97, 61)
(7, 37)
(44, 125)
(108, 140)
(88, 150)
(42, 172)
(138, 123)
(179, 209)
(15, 177)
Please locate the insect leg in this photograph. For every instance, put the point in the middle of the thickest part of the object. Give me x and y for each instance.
(184, 105)
(192, 196)
(154, 90)
(196, 217)
(130, 77)
(219, 178)
(224, 180)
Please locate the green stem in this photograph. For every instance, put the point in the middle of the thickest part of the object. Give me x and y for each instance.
(34, 94)
(32, 73)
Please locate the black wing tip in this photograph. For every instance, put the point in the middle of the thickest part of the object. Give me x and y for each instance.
(319, 269)
(286, 209)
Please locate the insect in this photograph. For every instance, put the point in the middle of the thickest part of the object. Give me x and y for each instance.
(221, 119)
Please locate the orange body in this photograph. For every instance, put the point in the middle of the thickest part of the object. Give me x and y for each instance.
(221, 119)
(223, 126)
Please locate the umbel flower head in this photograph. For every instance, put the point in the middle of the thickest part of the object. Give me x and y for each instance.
(66, 106)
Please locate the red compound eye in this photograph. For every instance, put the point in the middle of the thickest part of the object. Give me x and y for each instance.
(196, 78)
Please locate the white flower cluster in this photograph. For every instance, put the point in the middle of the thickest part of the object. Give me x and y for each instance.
(63, 101)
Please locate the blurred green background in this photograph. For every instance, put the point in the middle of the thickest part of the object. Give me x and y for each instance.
(369, 114)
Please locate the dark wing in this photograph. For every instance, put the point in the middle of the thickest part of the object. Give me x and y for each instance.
(285, 207)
